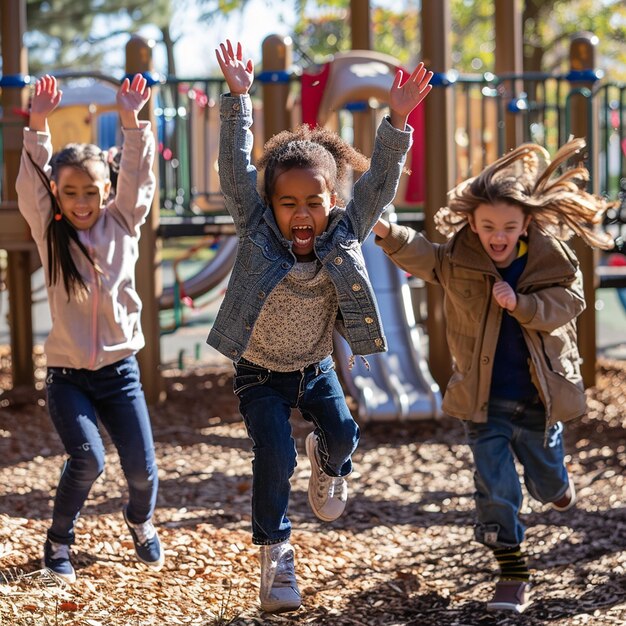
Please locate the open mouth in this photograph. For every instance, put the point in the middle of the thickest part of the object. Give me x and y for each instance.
(302, 235)
(498, 248)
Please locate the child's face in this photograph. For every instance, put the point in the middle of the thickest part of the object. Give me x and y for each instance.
(301, 203)
(81, 197)
(499, 227)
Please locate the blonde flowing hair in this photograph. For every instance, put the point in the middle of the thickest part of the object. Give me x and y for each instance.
(526, 177)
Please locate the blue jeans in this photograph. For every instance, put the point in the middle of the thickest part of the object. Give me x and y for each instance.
(266, 398)
(79, 399)
(513, 430)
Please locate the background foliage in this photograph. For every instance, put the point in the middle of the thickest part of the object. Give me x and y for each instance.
(78, 33)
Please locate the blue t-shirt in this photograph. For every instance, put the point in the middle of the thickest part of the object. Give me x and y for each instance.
(510, 378)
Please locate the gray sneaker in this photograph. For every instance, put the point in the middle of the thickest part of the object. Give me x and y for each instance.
(510, 595)
(327, 494)
(56, 558)
(279, 588)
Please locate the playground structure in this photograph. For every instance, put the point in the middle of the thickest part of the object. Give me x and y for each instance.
(348, 94)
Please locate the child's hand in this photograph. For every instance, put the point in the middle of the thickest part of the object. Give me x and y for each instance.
(131, 98)
(504, 295)
(381, 228)
(46, 98)
(403, 99)
(238, 75)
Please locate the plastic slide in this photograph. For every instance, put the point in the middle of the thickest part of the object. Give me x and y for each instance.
(398, 384)
(209, 277)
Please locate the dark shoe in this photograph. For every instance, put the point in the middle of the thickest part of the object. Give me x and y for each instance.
(567, 500)
(56, 558)
(510, 595)
(279, 589)
(147, 544)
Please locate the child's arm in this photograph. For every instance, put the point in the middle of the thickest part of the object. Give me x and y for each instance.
(32, 192)
(238, 176)
(403, 99)
(377, 187)
(136, 182)
(409, 250)
(550, 308)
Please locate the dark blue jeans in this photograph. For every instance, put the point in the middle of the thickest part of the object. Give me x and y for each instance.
(265, 401)
(513, 430)
(78, 401)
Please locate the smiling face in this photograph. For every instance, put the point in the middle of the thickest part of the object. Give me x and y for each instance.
(80, 196)
(301, 203)
(499, 227)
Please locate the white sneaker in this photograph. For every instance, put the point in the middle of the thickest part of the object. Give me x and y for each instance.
(279, 588)
(568, 499)
(327, 494)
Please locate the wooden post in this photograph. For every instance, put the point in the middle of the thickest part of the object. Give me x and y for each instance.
(509, 59)
(360, 25)
(277, 59)
(14, 97)
(583, 112)
(439, 130)
(363, 121)
(149, 279)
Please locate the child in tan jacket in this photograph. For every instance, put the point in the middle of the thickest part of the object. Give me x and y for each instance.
(513, 291)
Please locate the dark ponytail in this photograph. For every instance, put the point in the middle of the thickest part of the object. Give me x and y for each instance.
(60, 232)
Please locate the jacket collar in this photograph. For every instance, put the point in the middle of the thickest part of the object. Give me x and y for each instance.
(549, 260)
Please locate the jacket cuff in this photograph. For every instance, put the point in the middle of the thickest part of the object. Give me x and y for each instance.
(393, 137)
(397, 238)
(232, 107)
(526, 308)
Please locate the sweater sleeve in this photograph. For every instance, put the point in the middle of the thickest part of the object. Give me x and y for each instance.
(33, 196)
(136, 181)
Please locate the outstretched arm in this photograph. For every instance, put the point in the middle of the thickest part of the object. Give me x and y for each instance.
(239, 74)
(404, 98)
(46, 98)
(131, 98)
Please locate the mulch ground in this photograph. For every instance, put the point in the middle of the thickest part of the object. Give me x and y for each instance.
(401, 555)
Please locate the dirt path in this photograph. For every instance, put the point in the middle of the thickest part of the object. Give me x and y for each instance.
(402, 554)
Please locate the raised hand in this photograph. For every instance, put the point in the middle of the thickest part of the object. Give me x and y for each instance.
(239, 75)
(46, 97)
(504, 295)
(131, 98)
(404, 98)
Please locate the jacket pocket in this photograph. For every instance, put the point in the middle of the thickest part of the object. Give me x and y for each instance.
(468, 298)
(259, 252)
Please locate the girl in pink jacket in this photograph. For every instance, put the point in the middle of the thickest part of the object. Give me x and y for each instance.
(87, 238)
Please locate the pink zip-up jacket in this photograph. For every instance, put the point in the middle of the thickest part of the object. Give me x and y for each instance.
(105, 326)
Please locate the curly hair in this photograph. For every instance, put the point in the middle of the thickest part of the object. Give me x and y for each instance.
(526, 177)
(307, 147)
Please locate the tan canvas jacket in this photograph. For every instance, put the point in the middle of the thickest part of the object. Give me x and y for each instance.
(550, 297)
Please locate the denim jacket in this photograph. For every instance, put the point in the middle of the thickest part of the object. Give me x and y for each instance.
(264, 256)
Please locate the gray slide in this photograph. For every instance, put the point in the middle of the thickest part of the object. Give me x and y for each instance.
(398, 384)
(211, 275)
